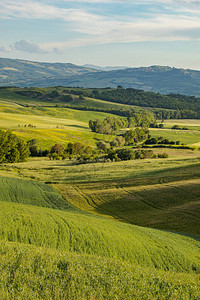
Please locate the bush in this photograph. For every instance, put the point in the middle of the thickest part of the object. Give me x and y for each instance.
(57, 148)
(142, 154)
(163, 155)
(101, 145)
(125, 154)
(118, 142)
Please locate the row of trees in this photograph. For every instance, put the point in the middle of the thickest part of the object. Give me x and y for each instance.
(160, 141)
(108, 125)
(179, 106)
(186, 104)
(14, 149)
(111, 124)
(72, 150)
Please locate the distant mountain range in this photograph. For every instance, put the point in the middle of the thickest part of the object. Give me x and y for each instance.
(108, 68)
(160, 79)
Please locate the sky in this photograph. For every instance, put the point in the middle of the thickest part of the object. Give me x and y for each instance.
(131, 33)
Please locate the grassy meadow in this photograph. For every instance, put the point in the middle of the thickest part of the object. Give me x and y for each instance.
(30, 272)
(50, 126)
(66, 229)
(154, 193)
(112, 230)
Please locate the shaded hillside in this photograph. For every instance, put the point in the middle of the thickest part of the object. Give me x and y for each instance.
(155, 78)
(25, 73)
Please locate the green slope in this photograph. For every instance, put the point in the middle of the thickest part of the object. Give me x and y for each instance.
(88, 257)
(77, 232)
(29, 272)
(30, 192)
(86, 234)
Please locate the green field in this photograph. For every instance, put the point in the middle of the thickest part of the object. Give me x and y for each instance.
(50, 126)
(29, 272)
(188, 137)
(30, 192)
(112, 259)
(152, 193)
(112, 230)
(73, 231)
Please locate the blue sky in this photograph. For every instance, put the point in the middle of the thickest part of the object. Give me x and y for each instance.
(103, 32)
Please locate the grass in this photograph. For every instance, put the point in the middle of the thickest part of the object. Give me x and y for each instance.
(30, 192)
(152, 171)
(49, 130)
(188, 137)
(170, 206)
(189, 123)
(69, 243)
(153, 193)
(29, 272)
(87, 234)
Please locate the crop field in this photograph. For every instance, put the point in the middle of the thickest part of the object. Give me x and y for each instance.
(171, 206)
(109, 230)
(152, 171)
(30, 192)
(151, 193)
(48, 130)
(73, 231)
(87, 256)
(188, 137)
(30, 272)
(184, 123)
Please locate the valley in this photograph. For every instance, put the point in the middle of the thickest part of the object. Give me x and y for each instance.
(78, 227)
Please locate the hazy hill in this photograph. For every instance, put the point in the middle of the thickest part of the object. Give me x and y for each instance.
(107, 68)
(155, 78)
(24, 73)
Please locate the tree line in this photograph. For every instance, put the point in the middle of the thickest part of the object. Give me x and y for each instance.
(178, 106)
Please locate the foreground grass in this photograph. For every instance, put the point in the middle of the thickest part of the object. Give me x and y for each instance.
(87, 234)
(28, 272)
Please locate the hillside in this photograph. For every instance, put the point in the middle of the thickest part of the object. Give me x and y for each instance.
(22, 72)
(87, 234)
(31, 192)
(97, 229)
(154, 78)
(30, 272)
(118, 101)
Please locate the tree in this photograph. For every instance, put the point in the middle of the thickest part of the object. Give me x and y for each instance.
(12, 148)
(57, 148)
(103, 146)
(33, 147)
(118, 142)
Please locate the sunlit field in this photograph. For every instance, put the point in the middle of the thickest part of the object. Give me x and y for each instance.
(106, 230)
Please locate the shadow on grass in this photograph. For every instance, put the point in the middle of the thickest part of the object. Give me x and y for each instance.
(77, 126)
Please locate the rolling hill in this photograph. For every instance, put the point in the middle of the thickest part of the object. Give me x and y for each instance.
(160, 79)
(67, 229)
(109, 230)
(24, 73)
(62, 253)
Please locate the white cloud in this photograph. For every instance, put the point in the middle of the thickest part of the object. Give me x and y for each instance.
(4, 50)
(183, 24)
(26, 46)
(159, 28)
